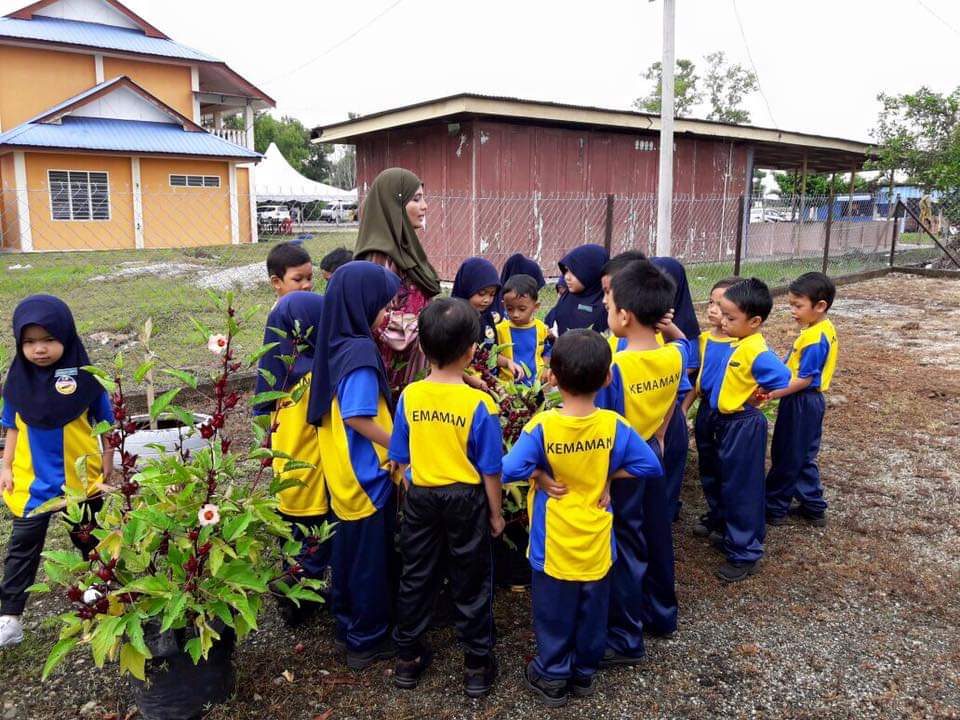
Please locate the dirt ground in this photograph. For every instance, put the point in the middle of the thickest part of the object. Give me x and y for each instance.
(857, 620)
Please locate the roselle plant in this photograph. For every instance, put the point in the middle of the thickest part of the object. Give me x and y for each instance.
(189, 542)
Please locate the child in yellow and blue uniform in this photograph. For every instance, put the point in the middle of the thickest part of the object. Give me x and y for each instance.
(50, 406)
(524, 339)
(715, 349)
(292, 324)
(349, 401)
(796, 435)
(647, 378)
(449, 434)
(572, 545)
(742, 428)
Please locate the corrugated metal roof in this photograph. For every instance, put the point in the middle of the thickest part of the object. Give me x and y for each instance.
(80, 133)
(106, 37)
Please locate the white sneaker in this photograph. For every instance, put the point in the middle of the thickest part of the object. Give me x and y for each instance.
(11, 630)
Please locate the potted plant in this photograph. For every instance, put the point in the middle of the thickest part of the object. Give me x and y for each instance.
(190, 542)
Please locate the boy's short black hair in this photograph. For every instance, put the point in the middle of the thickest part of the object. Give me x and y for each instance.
(283, 256)
(816, 286)
(619, 262)
(580, 361)
(522, 286)
(448, 327)
(643, 290)
(752, 296)
(726, 282)
(335, 258)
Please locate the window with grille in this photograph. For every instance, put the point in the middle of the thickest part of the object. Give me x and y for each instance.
(195, 181)
(79, 195)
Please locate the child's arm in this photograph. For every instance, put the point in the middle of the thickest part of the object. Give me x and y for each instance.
(399, 449)
(474, 381)
(661, 433)
(795, 386)
(106, 465)
(493, 489)
(669, 331)
(688, 401)
(368, 427)
(516, 370)
(358, 396)
(6, 470)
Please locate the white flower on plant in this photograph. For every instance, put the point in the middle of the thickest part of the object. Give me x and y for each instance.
(91, 595)
(217, 344)
(209, 515)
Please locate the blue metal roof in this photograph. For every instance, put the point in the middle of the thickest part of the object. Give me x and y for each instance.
(133, 136)
(106, 37)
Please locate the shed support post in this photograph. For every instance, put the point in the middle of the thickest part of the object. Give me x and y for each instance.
(741, 203)
(827, 228)
(608, 226)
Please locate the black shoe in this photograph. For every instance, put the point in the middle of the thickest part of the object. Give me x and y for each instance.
(582, 686)
(660, 634)
(407, 673)
(703, 527)
(731, 572)
(552, 692)
(363, 660)
(612, 658)
(776, 520)
(716, 540)
(817, 519)
(477, 682)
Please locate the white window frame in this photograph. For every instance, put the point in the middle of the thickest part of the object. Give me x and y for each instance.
(105, 173)
(200, 181)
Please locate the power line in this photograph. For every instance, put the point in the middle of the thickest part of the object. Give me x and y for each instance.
(746, 45)
(338, 44)
(942, 21)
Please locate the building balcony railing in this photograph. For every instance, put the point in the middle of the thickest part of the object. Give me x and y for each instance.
(237, 137)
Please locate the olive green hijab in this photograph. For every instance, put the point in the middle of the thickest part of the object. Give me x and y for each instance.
(385, 228)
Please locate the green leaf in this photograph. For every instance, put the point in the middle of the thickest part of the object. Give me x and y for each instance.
(95, 371)
(118, 362)
(101, 427)
(132, 661)
(242, 604)
(142, 371)
(268, 396)
(174, 610)
(268, 376)
(150, 585)
(298, 393)
(235, 526)
(38, 588)
(57, 654)
(201, 328)
(194, 648)
(135, 635)
(181, 375)
(257, 354)
(239, 573)
(104, 638)
(292, 465)
(160, 404)
(222, 611)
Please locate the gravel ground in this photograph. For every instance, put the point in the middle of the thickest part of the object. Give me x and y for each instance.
(857, 620)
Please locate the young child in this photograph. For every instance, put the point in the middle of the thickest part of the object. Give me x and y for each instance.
(742, 428)
(647, 378)
(571, 542)
(519, 264)
(611, 268)
(796, 435)
(478, 282)
(50, 406)
(449, 434)
(296, 316)
(289, 268)
(582, 305)
(522, 337)
(334, 259)
(715, 348)
(349, 401)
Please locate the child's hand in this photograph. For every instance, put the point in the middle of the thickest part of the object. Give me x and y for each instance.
(604, 501)
(518, 371)
(665, 322)
(548, 485)
(497, 524)
(6, 479)
(759, 397)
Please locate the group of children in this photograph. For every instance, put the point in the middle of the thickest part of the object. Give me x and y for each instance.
(605, 467)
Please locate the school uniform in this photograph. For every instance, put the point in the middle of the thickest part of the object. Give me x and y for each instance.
(572, 543)
(796, 434)
(584, 309)
(450, 436)
(526, 345)
(742, 444)
(714, 353)
(643, 389)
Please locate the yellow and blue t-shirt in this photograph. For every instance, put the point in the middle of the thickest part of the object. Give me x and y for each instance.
(298, 438)
(447, 434)
(571, 537)
(714, 353)
(45, 459)
(526, 345)
(619, 344)
(814, 355)
(750, 365)
(355, 468)
(645, 384)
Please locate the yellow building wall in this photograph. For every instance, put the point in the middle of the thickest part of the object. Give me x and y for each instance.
(184, 216)
(33, 80)
(243, 204)
(170, 83)
(50, 234)
(9, 222)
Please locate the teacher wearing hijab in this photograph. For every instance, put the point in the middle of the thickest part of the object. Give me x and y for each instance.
(393, 211)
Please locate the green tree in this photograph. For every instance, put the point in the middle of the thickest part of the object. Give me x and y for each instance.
(685, 92)
(344, 171)
(292, 139)
(818, 184)
(726, 87)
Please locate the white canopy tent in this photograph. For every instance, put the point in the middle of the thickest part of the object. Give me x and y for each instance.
(277, 181)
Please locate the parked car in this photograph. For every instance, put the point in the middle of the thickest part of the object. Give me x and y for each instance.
(339, 212)
(276, 213)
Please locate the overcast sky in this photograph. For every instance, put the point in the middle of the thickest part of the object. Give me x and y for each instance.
(821, 63)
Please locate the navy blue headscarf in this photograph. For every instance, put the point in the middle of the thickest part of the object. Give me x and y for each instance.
(584, 309)
(49, 397)
(356, 294)
(684, 314)
(294, 309)
(474, 275)
(522, 265)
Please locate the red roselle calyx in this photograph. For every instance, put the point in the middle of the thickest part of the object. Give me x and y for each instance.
(225, 446)
(207, 431)
(74, 593)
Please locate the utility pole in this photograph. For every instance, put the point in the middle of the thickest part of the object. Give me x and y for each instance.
(665, 184)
